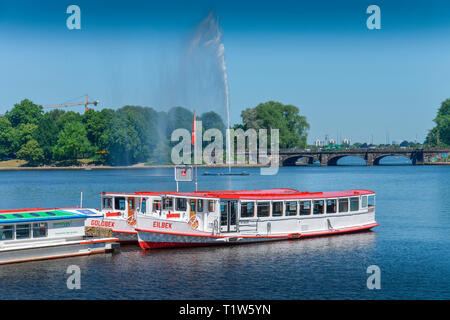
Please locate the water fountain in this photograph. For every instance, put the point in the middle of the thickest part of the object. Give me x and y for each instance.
(209, 35)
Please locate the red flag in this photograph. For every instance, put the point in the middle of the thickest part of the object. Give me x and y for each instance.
(193, 131)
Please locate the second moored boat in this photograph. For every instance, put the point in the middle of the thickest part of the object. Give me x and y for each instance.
(184, 219)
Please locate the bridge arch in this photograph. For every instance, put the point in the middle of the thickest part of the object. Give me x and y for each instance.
(333, 161)
(378, 158)
(291, 161)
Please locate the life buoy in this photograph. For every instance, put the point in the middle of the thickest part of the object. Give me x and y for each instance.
(193, 222)
(131, 220)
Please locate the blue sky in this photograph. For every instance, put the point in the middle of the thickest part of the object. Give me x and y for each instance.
(318, 55)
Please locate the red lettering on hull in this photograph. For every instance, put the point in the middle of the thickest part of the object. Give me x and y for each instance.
(106, 224)
(162, 225)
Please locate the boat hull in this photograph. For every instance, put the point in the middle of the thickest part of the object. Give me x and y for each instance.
(151, 239)
(56, 249)
(126, 237)
(112, 227)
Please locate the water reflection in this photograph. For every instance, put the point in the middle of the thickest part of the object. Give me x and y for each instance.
(410, 245)
(274, 250)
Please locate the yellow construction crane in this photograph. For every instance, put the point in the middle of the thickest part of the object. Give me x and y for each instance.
(85, 103)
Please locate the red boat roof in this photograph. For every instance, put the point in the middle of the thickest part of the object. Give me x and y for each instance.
(137, 193)
(267, 194)
(270, 194)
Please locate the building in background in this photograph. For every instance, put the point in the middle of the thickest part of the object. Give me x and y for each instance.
(318, 143)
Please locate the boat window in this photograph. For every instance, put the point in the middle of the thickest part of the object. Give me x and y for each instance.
(199, 205)
(34, 214)
(2, 217)
(181, 204)
(291, 208)
(211, 205)
(318, 206)
(144, 205)
(371, 201)
(277, 209)
(168, 203)
(331, 206)
(17, 215)
(119, 203)
(354, 204)
(130, 204)
(40, 230)
(49, 213)
(364, 202)
(6, 232)
(305, 208)
(156, 205)
(263, 209)
(23, 231)
(107, 203)
(343, 205)
(247, 209)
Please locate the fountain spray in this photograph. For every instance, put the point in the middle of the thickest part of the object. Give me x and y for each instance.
(210, 35)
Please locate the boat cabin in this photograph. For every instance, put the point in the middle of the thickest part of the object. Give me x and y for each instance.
(122, 205)
(31, 225)
(249, 211)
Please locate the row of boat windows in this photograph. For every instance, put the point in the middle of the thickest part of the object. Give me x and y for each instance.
(119, 203)
(181, 204)
(177, 204)
(248, 209)
(304, 208)
(23, 231)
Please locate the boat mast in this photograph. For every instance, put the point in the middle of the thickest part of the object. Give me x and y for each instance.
(195, 151)
(196, 183)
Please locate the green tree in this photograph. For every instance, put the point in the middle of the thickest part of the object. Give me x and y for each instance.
(72, 142)
(31, 152)
(432, 138)
(63, 118)
(132, 135)
(21, 135)
(97, 124)
(6, 137)
(24, 112)
(179, 118)
(440, 134)
(161, 153)
(293, 128)
(46, 135)
(251, 119)
(55, 114)
(212, 120)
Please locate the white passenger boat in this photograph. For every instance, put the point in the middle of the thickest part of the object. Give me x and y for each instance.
(37, 234)
(119, 214)
(177, 219)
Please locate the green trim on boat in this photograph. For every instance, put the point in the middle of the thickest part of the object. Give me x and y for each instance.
(36, 214)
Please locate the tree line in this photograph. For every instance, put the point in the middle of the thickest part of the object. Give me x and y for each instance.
(125, 136)
(439, 136)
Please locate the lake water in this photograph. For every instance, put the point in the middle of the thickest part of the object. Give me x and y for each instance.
(411, 246)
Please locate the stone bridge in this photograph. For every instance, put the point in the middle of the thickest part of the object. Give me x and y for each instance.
(371, 156)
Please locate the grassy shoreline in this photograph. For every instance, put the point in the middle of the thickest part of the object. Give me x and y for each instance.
(139, 166)
(134, 167)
